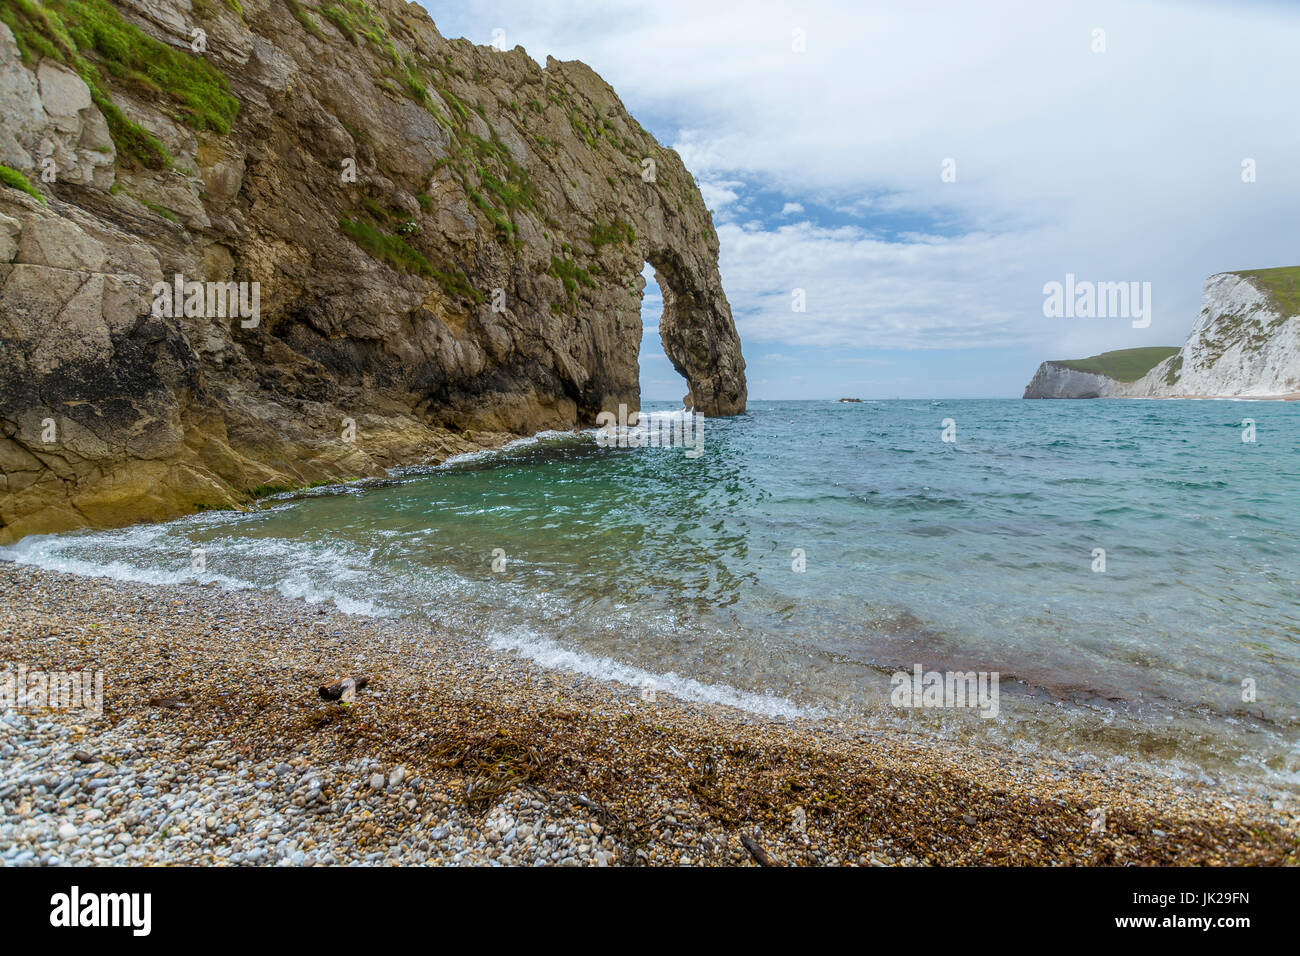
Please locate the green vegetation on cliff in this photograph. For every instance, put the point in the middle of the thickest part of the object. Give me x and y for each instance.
(612, 233)
(91, 37)
(306, 19)
(394, 250)
(16, 180)
(1123, 365)
(573, 276)
(1283, 285)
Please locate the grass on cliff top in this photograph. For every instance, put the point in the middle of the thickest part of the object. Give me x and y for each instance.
(1123, 365)
(1282, 284)
(16, 180)
(91, 37)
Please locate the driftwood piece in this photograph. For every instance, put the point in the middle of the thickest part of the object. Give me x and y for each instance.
(756, 851)
(345, 690)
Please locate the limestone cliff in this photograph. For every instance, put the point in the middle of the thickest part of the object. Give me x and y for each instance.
(1059, 380)
(445, 243)
(1245, 343)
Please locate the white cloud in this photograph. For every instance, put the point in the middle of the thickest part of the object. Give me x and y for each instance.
(928, 294)
(792, 209)
(719, 194)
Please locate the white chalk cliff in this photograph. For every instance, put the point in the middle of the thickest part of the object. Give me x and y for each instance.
(1245, 344)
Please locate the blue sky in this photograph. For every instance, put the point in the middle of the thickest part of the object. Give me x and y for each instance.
(823, 169)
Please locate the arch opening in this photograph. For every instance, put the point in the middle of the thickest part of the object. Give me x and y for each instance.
(659, 380)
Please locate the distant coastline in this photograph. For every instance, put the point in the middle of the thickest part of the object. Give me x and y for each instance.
(1244, 344)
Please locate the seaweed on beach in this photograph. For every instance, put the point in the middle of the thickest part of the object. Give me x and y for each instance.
(495, 765)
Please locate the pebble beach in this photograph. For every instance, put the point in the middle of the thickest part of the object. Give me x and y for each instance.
(214, 747)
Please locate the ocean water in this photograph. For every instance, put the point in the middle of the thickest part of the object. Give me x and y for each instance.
(680, 573)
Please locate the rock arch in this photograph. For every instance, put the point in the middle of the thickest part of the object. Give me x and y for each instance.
(475, 281)
(698, 333)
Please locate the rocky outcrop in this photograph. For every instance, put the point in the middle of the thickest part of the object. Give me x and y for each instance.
(1245, 344)
(445, 243)
(1056, 380)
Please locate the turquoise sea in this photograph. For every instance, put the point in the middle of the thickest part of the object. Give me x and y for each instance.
(660, 569)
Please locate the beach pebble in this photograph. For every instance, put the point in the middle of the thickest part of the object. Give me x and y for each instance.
(298, 785)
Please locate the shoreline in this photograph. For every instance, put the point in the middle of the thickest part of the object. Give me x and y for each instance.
(215, 748)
